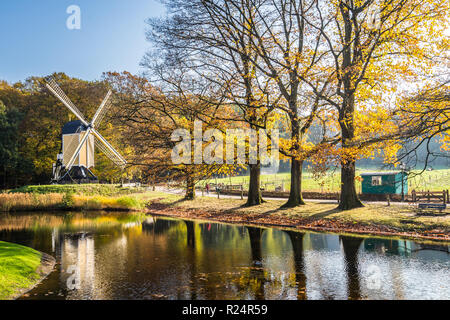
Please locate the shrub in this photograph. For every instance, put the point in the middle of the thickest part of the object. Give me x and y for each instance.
(129, 202)
(68, 200)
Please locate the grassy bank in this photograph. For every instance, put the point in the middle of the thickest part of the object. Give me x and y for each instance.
(18, 269)
(372, 219)
(81, 189)
(69, 201)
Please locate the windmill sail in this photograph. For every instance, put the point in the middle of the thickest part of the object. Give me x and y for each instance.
(101, 111)
(117, 161)
(59, 93)
(108, 150)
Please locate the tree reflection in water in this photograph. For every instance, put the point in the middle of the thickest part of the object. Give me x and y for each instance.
(192, 256)
(297, 248)
(351, 247)
(257, 277)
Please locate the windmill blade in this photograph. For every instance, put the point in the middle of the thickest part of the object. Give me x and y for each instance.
(101, 111)
(59, 93)
(118, 162)
(108, 150)
(77, 151)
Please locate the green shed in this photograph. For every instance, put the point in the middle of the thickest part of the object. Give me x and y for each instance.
(384, 182)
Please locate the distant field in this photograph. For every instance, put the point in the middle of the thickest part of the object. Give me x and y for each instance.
(435, 180)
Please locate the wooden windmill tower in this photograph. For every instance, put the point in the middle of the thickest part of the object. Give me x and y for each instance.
(78, 140)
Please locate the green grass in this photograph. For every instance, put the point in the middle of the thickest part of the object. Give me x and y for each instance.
(436, 180)
(18, 269)
(82, 189)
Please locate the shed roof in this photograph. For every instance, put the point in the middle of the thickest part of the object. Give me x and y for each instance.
(73, 127)
(385, 173)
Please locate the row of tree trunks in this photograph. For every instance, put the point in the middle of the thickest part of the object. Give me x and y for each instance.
(348, 199)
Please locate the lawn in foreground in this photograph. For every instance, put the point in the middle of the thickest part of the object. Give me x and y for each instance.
(18, 269)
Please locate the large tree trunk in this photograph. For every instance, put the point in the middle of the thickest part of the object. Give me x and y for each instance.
(254, 190)
(349, 198)
(190, 188)
(295, 194)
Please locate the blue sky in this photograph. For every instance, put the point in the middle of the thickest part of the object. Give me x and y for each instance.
(35, 40)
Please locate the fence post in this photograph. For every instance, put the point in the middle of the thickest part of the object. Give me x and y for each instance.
(443, 196)
(413, 194)
(242, 192)
(429, 196)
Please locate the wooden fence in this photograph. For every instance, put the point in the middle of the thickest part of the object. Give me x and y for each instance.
(415, 196)
(431, 197)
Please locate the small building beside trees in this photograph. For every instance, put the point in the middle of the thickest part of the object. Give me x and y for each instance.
(394, 182)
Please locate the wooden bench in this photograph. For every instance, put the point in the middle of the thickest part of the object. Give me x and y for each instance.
(431, 200)
(438, 206)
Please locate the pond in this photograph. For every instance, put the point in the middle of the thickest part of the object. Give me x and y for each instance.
(133, 256)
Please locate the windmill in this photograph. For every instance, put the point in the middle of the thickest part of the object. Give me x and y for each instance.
(78, 140)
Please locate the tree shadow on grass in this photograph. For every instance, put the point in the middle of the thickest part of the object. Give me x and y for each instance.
(254, 215)
(155, 203)
(324, 214)
(287, 211)
(178, 201)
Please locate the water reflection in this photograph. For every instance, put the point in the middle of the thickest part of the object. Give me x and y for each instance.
(123, 256)
(77, 259)
(351, 247)
(300, 278)
(257, 277)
